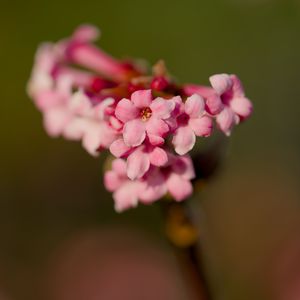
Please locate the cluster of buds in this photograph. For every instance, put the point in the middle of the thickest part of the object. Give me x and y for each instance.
(149, 123)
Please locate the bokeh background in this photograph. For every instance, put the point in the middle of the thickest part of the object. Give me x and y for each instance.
(59, 235)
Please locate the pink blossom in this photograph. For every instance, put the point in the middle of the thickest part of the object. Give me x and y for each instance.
(155, 184)
(84, 94)
(191, 122)
(139, 159)
(174, 178)
(144, 117)
(125, 191)
(236, 107)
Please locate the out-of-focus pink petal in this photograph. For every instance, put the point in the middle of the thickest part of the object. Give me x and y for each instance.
(134, 133)
(80, 104)
(237, 87)
(55, 121)
(48, 99)
(126, 196)
(225, 120)
(241, 106)
(183, 166)
(86, 33)
(203, 91)
(194, 106)
(92, 139)
(201, 126)
(119, 166)
(112, 181)
(75, 129)
(158, 157)
(115, 123)
(184, 140)
(126, 111)
(162, 108)
(118, 148)
(142, 98)
(155, 187)
(138, 163)
(221, 83)
(178, 187)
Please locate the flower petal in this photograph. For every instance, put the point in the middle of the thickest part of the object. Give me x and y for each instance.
(162, 108)
(183, 166)
(241, 106)
(92, 139)
(201, 126)
(142, 98)
(157, 127)
(158, 157)
(221, 83)
(119, 166)
(118, 148)
(55, 120)
(112, 181)
(237, 87)
(155, 187)
(126, 196)
(194, 106)
(225, 120)
(138, 163)
(126, 111)
(155, 140)
(184, 140)
(134, 133)
(178, 187)
(214, 104)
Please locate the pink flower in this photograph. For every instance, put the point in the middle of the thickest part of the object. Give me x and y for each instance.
(143, 117)
(125, 191)
(90, 123)
(174, 178)
(236, 107)
(139, 159)
(156, 183)
(191, 122)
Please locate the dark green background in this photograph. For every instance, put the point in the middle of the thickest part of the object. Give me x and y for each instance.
(51, 189)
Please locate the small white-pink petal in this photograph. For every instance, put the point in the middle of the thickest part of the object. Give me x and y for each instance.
(92, 139)
(237, 86)
(142, 98)
(179, 187)
(156, 126)
(154, 187)
(119, 166)
(126, 111)
(138, 163)
(55, 120)
(225, 120)
(221, 83)
(201, 126)
(118, 148)
(194, 106)
(112, 181)
(126, 196)
(184, 140)
(241, 106)
(134, 133)
(158, 157)
(162, 108)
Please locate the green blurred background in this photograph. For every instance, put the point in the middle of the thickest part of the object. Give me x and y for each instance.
(52, 197)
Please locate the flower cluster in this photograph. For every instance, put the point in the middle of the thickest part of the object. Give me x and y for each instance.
(149, 123)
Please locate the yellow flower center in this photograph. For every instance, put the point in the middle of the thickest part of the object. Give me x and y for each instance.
(146, 114)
